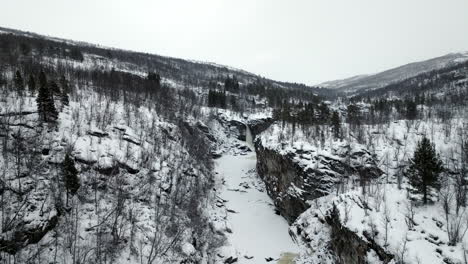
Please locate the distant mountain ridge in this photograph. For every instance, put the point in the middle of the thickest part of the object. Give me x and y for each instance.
(176, 68)
(375, 81)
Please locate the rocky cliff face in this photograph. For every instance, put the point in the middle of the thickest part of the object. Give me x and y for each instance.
(348, 247)
(259, 125)
(331, 241)
(295, 175)
(237, 126)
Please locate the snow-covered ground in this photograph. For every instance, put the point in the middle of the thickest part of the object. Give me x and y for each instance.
(258, 235)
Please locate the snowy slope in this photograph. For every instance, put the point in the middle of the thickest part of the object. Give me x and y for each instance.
(176, 69)
(378, 80)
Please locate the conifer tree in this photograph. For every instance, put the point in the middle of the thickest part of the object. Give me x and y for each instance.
(64, 84)
(42, 79)
(70, 176)
(19, 83)
(425, 168)
(411, 109)
(54, 88)
(45, 101)
(31, 84)
(64, 99)
(336, 124)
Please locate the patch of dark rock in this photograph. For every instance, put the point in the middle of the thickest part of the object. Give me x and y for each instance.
(131, 140)
(248, 257)
(350, 247)
(434, 240)
(108, 171)
(244, 185)
(269, 259)
(23, 113)
(278, 171)
(230, 260)
(240, 128)
(128, 168)
(85, 161)
(243, 148)
(45, 151)
(97, 134)
(449, 261)
(215, 155)
(120, 129)
(26, 236)
(236, 190)
(259, 125)
(231, 211)
(438, 223)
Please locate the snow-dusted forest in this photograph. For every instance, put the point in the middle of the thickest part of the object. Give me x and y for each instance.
(113, 156)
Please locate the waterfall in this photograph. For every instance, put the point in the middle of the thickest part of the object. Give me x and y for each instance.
(248, 136)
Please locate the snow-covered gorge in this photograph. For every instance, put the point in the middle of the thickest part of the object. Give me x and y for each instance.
(243, 211)
(255, 234)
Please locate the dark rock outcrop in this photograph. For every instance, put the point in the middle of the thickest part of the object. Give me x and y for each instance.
(323, 231)
(97, 133)
(348, 247)
(295, 177)
(25, 234)
(257, 126)
(238, 129)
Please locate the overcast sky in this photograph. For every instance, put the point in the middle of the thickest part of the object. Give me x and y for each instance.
(307, 41)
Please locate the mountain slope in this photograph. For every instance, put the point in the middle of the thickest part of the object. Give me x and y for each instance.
(378, 80)
(187, 71)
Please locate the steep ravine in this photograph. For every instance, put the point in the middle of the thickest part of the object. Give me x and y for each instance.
(256, 185)
(244, 212)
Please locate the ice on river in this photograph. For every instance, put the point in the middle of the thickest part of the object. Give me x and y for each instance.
(256, 230)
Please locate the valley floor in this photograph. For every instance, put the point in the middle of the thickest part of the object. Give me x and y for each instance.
(258, 234)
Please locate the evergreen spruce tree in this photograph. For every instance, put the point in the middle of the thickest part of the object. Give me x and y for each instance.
(354, 115)
(425, 168)
(70, 176)
(19, 83)
(45, 101)
(54, 88)
(336, 124)
(31, 84)
(411, 109)
(64, 84)
(64, 99)
(42, 79)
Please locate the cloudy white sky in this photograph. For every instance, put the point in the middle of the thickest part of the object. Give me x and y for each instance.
(307, 41)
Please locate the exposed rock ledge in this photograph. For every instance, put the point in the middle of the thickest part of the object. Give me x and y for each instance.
(238, 126)
(297, 174)
(333, 242)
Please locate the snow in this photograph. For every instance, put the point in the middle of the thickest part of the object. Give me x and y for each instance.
(256, 230)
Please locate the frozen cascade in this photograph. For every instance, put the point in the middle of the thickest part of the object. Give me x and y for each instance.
(249, 137)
